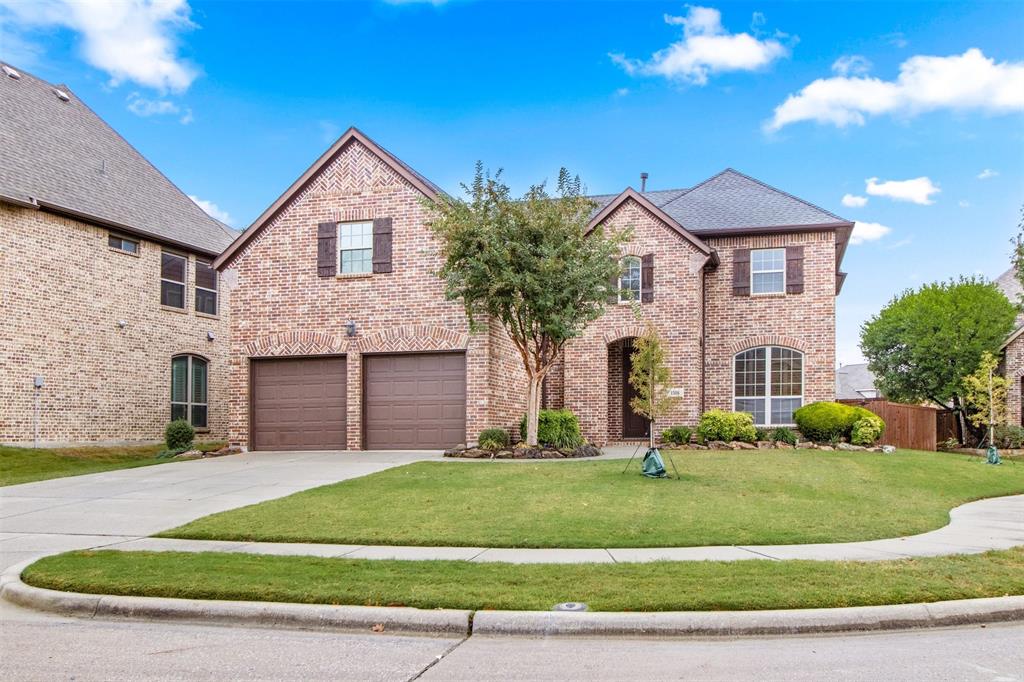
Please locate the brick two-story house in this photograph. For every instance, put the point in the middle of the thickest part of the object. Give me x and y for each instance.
(114, 320)
(341, 337)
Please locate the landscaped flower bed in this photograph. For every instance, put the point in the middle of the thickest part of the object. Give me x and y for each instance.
(521, 451)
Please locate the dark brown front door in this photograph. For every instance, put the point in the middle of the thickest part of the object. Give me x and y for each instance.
(298, 403)
(633, 425)
(414, 401)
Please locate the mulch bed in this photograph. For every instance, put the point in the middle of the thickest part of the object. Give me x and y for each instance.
(524, 452)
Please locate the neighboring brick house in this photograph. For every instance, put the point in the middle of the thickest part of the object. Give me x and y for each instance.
(1013, 349)
(341, 337)
(108, 290)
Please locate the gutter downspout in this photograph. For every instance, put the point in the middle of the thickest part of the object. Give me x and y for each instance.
(703, 335)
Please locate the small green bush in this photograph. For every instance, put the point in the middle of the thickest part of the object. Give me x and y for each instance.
(493, 439)
(1008, 436)
(760, 434)
(726, 426)
(825, 422)
(867, 429)
(781, 434)
(677, 435)
(556, 428)
(179, 435)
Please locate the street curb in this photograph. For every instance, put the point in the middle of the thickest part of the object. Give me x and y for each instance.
(462, 623)
(733, 623)
(363, 619)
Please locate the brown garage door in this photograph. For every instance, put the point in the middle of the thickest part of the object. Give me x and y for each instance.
(298, 404)
(414, 401)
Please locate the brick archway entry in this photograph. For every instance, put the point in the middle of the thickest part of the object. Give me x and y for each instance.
(623, 422)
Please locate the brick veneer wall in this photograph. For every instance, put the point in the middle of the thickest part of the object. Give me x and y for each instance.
(676, 311)
(63, 292)
(1014, 364)
(805, 322)
(616, 351)
(280, 296)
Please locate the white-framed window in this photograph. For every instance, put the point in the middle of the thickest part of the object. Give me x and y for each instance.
(355, 247)
(629, 280)
(172, 279)
(189, 376)
(768, 382)
(206, 287)
(768, 271)
(116, 241)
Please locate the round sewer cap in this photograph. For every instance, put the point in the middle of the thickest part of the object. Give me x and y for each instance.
(570, 606)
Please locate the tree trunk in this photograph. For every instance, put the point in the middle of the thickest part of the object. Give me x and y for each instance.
(533, 408)
(961, 422)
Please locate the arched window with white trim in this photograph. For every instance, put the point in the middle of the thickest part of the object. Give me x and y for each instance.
(630, 279)
(189, 375)
(768, 382)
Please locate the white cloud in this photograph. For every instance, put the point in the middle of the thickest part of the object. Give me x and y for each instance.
(851, 65)
(131, 40)
(854, 201)
(868, 232)
(917, 190)
(140, 106)
(212, 210)
(706, 48)
(963, 203)
(987, 173)
(896, 39)
(622, 92)
(970, 81)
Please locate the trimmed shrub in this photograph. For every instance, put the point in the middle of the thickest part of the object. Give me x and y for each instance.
(867, 428)
(760, 434)
(677, 435)
(825, 422)
(726, 426)
(179, 435)
(493, 439)
(1008, 436)
(556, 428)
(781, 434)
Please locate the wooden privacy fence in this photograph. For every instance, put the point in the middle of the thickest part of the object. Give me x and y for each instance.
(915, 427)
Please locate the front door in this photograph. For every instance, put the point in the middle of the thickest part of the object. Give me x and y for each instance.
(633, 425)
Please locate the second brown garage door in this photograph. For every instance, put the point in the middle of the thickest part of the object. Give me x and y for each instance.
(298, 404)
(414, 401)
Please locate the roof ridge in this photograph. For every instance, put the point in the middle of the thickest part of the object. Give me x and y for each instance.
(784, 192)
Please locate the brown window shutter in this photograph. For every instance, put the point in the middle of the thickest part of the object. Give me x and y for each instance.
(382, 244)
(741, 272)
(794, 269)
(647, 278)
(613, 284)
(327, 249)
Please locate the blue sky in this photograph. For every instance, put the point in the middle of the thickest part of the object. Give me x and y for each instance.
(234, 100)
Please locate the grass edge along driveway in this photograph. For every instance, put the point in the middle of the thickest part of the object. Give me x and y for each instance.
(27, 465)
(660, 586)
(724, 498)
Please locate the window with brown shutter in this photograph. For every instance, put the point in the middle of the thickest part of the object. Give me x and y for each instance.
(327, 249)
(794, 269)
(741, 272)
(382, 245)
(647, 279)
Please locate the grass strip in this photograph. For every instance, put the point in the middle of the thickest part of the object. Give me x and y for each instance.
(661, 586)
(723, 498)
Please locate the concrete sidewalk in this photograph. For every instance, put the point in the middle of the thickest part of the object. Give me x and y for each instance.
(96, 510)
(996, 523)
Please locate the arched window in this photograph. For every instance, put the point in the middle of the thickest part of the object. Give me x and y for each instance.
(769, 384)
(629, 280)
(188, 389)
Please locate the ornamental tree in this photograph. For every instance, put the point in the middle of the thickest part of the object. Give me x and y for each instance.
(924, 343)
(527, 263)
(985, 392)
(651, 378)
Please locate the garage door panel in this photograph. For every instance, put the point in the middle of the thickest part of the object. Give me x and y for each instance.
(414, 400)
(299, 404)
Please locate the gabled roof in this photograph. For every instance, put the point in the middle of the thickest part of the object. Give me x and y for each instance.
(429, 189)
(1011, 287)
(855, 382)
(58, 155)
(631, 194)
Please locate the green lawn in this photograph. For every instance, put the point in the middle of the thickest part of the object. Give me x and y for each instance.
(664, 586)
(24, 465)
(724, 497)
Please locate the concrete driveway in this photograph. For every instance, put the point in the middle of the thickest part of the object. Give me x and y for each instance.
(78, 512)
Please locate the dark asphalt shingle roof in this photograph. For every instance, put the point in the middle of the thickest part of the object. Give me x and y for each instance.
(63, 154)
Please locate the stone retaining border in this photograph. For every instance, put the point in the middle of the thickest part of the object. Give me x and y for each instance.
(463, 623)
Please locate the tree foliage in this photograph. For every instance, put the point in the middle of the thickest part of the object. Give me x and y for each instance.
(527, 263)
(651, 377)
(1017, 257)
(985, 392)
(924, 343)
